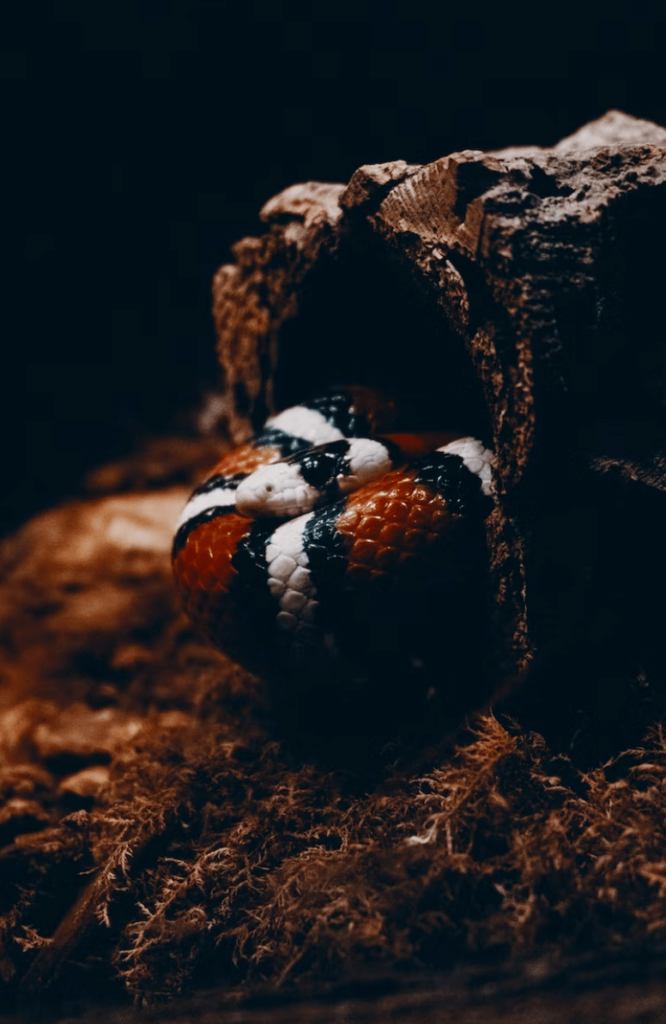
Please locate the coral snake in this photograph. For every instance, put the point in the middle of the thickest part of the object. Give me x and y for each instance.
(315, 548)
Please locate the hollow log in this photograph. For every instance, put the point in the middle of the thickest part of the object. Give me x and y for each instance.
(514, 295)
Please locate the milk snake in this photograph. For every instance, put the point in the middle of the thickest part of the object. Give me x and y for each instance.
(320, 547)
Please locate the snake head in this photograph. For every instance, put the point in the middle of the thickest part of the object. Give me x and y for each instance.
(318, 475)
(276, 490)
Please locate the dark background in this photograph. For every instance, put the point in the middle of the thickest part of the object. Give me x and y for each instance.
(140, 140)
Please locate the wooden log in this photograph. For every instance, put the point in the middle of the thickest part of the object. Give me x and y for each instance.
(517, 295)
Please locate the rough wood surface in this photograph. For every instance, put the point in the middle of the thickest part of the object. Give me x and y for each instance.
(253, 297)
(540, 267)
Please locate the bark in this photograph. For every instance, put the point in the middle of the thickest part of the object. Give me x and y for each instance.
(514, 294)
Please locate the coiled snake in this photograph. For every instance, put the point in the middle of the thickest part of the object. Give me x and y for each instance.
(327, 549)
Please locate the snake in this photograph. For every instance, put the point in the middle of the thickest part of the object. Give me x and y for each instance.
(328, 548)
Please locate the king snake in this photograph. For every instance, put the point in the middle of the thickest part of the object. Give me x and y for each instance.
(328, 548)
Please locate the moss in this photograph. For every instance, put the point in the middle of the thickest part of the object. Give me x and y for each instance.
(213, 852)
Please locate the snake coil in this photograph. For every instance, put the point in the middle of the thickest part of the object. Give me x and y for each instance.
(324, 549)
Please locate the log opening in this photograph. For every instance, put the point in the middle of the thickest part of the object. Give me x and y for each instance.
(362, 320)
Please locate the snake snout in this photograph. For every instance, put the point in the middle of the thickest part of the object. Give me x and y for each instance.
(253, 495)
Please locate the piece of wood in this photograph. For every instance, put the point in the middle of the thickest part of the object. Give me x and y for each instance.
(540, 279)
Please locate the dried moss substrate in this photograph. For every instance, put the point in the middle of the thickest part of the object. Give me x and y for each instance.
(156, 835)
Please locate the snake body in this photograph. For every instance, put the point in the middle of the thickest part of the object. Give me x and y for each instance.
(320, 547)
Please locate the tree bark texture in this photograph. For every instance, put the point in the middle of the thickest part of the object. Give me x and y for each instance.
(515, 295)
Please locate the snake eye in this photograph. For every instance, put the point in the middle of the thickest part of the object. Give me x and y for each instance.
(269, 488)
